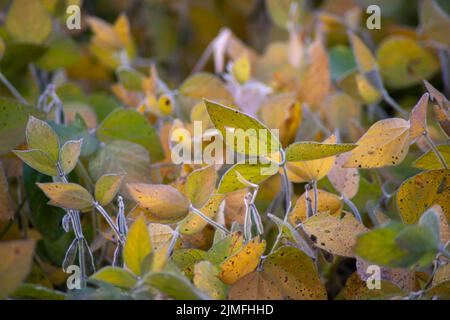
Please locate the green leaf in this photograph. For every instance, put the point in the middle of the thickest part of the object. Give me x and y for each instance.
(39, 161)
(225, 248)
(130, 125)
(205, 279)
(70, 152)
(122, 157)
(254, 173)
(107, 187)
(116, 276)
(174, 285)
(129, 78)
(28, 21)
(13, 121)
(137, 246)
(295, 273)
(185, 259)
(251, 137)
(35, 291)
(304, 151)
(62, 53)
(419, 240)
(429, 161)
(200, 185)
(404, 62)
(342, 62)
(15, 264)
(280, 11)
(40, 136)
(67, 195)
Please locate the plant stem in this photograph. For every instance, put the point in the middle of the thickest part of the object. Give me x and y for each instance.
(316, 197)
(390, 101)
(445, 65)
(110, 222)
(173, 241)
(210, 221)
(309, 210)
(12, 89)
(352, 207)
(435, 150)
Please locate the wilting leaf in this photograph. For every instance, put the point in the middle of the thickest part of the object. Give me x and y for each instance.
(295, 273)
(441, 110)
(327, 203)
(257, 285)
(403, 62)
(28, 21)
(386, 143)
(130, 125)
(162, 201)
(137, 246)
(70, 153)
(67, 195)
(115, 276)
(106, 188)
(251, 137)
(243, 262)
(429, 161)
(13, 120)
(15, 264)
(206, 280)
(334, 234)
(418, 118)
(422, 191)
(200, 184)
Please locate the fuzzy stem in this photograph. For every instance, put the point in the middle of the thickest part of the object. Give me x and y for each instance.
(12, 89)
(390, 101)
(316, 197)
(173, 241)
(435, 150)
(210, 221)
(353, 208)
(110, 222)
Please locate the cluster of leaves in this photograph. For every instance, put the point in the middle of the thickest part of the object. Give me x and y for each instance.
(361, 179)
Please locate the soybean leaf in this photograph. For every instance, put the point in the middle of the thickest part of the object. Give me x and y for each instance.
(258, 285)
(254, 173)
(137, 246)
(174, 285)
(116, 276)
(200, 184)
(193, 223)
(39, 161)
(304, 151)
(67, 195)
(185, 260)
(429, 161)
(106, 188)
(205, 279)
(418, 118)
(70, 152)
(40, 136)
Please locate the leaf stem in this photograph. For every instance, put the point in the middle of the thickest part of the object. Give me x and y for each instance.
(435, 150)
(173, 241)
(390, 101)
(210, 221)
(12, 89)
(353, 208)
(110, 222)
(316, 197)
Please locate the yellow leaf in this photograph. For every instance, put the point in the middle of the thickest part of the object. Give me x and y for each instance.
(334, 234)
(327, 203)
(105, 35)
(137, 246)
(160, 235)
(356, 289)
(367, 90)
(243, 262)
(257, 285)
(107, 187)
(15, 264)
(363, 56)
(385, 143)
(67, 195)
(69, 155)
(161, 201)
(305, 151)
(242, 69)
(205, 279)
(200, 185)
(312, 170)
(429, 161)
(344, 180)
(295, 273)
(422, 191)
(418, 118)
(116, 276)
(193, 223)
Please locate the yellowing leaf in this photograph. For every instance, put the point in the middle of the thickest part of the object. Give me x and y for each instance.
(434, 21)
(225, 248)
(344, 180)
(205, 86)
(200, 184)
(295, 273)
(429, 161)
(243, 262)
(253, 173)
(105, 35)
(116, 276)
(305, 151)
(39, 161)
(441, 110)
(185, 260)
(70, 152)
(40, 136)
(403, 62)
(422, 191)
(137, 246)
(160, 235)
(257, 285)
(327, 203)
(418, 118)
(107, 187)
(334, 234)
(307, 171)
(251, 137)
(367, 90)
(385, 143)
(28, 21)
(356, 289)
(205, 279)
(67, 195)
(15, 264)
(193, 223)
(363, 56)
(162, 201)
